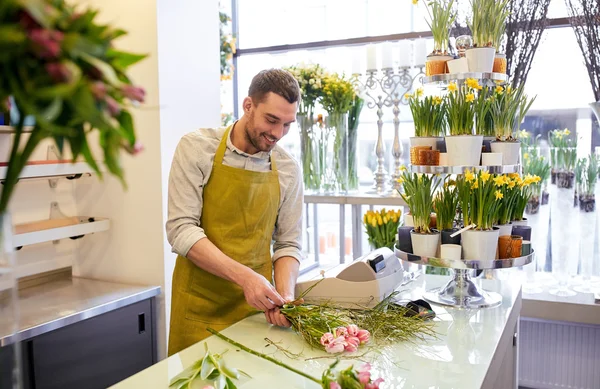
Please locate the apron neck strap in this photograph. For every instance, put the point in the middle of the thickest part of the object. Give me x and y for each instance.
(223, 146)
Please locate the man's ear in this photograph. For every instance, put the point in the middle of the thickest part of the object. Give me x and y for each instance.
(247, 104)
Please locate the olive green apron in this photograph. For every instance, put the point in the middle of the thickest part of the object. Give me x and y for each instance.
(239, 213)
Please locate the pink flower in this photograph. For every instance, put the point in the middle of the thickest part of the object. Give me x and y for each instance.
(353, 340)
(363, 336)
(334, 385)
(113, 107)
(336, 346)
(138, 147)
(374, 384)
(341, 331)
(208, 387)
(46, 43)
(134, 93)
(352, 329)
(350, 347)
(327, 338)
(98, 89)
(365, 367)
(58, 72)
(364, 377)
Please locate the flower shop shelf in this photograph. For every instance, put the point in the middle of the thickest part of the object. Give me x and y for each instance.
(486, 79)
(56, 229)
(502, 169)
(50, 169)
(461, 291)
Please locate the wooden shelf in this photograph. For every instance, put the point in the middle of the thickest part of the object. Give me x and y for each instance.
(49, 170)
(75, 227)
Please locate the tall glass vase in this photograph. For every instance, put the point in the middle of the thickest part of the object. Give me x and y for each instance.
(335, 178)
(353, 183)
(311, 151)
(10, 355)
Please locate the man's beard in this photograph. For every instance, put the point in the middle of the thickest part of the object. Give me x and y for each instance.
(256, 141)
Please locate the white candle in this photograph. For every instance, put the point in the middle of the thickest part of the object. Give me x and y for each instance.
(420, 52)
(405, 54)
(386, 55)
(356, 60)
(371, 57)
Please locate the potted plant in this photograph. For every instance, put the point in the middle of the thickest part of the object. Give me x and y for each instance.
(507, 187)
(429, 117)
(337, 99)
(522, 197)
(536, 166)
(484, 125)
(462, 147)
(588, 202)
(481, 56)
(310, 79)
(556, 140)
(445, 205)
(568, 159)
(480, 201)
(579, 181)
(441, 18)
(509, 107)
(418, 193)
(381, 227)
(498, 28)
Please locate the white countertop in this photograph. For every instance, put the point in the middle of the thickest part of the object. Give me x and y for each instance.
(460, 358)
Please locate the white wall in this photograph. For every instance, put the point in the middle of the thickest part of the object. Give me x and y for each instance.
(189, 70)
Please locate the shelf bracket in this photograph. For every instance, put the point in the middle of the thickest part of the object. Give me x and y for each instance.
(55, 213)
(52, 154)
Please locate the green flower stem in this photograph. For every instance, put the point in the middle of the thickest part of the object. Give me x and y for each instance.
(263, 356)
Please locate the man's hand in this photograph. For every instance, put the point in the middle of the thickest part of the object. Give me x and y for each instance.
(275, 317)
(259, 293)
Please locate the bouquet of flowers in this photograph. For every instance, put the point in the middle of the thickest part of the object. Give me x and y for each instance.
(382, 227)
(61, 68)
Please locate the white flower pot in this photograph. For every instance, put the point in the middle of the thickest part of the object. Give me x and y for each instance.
(408, 220)
(425, 244)
(481, 59)
(425, 141)
(505, 229)
(510, 151)
(491, 159)
(480, 245)
(456, 66)
(464, 150)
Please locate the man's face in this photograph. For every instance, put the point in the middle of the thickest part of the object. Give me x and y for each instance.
(269, 121)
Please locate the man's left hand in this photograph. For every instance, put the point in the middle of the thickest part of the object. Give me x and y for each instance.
(275, 317)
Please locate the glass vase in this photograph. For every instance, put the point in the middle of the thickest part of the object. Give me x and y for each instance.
(335, 177)
(310, 152)
(353, 182)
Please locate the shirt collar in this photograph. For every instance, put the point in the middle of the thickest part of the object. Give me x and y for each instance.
(231, 147)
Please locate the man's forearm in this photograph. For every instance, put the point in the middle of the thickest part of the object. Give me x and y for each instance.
(286, 274)
(208, 257)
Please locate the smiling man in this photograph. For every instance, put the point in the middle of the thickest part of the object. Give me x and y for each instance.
(233, 192)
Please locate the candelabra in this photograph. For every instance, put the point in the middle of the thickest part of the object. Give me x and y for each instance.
(387, 91)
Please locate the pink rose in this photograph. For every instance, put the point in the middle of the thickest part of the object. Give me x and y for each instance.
(363, 336)
(374, 384)
(113, 107)
(352, 329)
(350, 347)
(327, 338)
(336, 346)
(334, 385)
(341, 331)
(364, 377)
(133, 93)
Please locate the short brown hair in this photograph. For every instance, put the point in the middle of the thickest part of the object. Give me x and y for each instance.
(278, 81)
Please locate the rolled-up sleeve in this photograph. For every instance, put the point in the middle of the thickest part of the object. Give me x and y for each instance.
(186, 182)
(288, 230)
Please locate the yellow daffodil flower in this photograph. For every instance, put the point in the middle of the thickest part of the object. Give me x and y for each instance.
(402, 168)
(400, 180)
(452, 87)
(437, 100)
(419, 92)
(499, 181)
(485, 176)
(511, 184)
(508, 89)
(469, 176)
(523, 134)
(499, 195)
(407, 96)
(475, 185)
(470, 97)
(566, 132)
(526, 156)
(499, 90)
(415, 2)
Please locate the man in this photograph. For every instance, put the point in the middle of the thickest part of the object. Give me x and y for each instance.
(231, 193)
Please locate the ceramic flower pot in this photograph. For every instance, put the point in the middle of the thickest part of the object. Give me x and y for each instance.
(509, 246)
(510, 151)
(481, 59)
(425, 244)
(500, 63)
(464, 150)
(436, 64)
(480, 245)
(505, 229)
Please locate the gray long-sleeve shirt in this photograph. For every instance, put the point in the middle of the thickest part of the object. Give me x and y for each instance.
(190, 170)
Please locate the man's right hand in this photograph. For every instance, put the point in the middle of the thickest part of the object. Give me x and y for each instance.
(259, 293)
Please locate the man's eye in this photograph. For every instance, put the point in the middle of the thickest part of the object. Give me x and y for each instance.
(271, 121)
